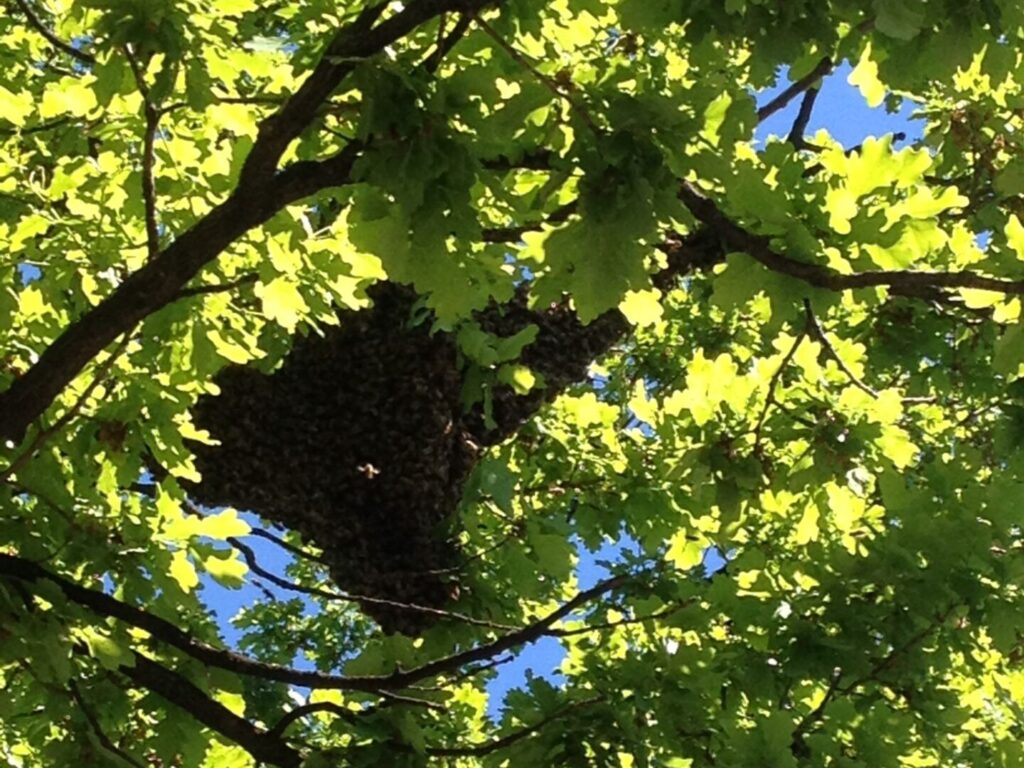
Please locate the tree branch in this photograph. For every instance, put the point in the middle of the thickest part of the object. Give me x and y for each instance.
(446, 43)
(904, 281)
(822, 68)
(169, 633)
(94, 723)
(772, 383)
(479, 750)
(803, 117)
(355, 42)
(546, 81)
(176, 689)
(204, 290)
(261, 192)
(818, 333)
(36, 23)
(152, 117)
(44, 434)
(298, 713)
(158, 282)
(250, 558)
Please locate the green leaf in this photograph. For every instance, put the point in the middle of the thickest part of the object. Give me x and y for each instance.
(901, 19)
(865, 77)
(109, 652)
(183, 572)
(282, 302)
(642, 308)
(222, 525)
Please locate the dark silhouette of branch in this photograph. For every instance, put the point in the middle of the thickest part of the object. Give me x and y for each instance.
(818, 333)
(203, 290)
(152, 117)
(44, 434)
(773, 382)
(310, 709)
(250, 558)
(605, 625)
(169, 633)
(803, 117)
(297, 551)
(906, 282)
(158, 282)
(822, 68)
(515, 234)
(37, 23)
(446, 43)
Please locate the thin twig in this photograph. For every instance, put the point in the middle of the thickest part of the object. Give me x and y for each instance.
(250, 558)
(94, 723)
(815, 329)
(220, 658)
(478, 750)
(772, 383)
(56, 42)
(672, 609)
(818, 712)
(102, 370)
(152, 116)
(411, 701)
(548, 82)
(445, 44)
(288, 546)
(203, 290)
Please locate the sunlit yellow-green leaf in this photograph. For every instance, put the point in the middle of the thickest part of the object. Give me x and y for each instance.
(183, 572)
(282, 302)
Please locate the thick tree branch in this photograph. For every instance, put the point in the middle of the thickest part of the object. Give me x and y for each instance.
(158, 283)
(261, 192)
(37, 24)
(803, 117)
(169, 633)
(188, 696)
(903, 281)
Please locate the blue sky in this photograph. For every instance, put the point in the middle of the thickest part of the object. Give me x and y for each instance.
(842, 111)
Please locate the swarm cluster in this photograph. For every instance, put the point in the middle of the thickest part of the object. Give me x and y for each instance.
(359, 441)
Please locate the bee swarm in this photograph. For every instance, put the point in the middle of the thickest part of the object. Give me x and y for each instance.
(359, 441)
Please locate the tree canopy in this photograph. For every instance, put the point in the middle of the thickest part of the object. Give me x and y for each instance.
(435, 298)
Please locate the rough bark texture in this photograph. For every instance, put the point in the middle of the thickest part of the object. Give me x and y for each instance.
(359, 441)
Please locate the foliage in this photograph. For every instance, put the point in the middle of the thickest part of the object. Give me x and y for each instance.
(818, 377)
